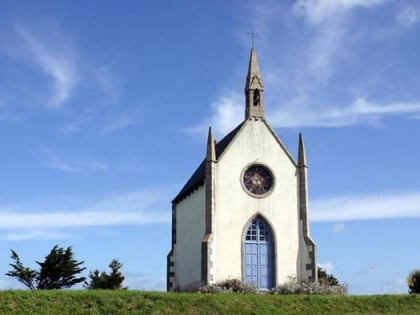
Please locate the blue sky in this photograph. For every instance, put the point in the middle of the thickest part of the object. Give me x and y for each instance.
(104, 107)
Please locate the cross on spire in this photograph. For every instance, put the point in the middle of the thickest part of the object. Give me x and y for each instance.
(252, 35)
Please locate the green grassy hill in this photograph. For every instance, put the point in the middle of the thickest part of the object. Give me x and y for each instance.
(136, 302)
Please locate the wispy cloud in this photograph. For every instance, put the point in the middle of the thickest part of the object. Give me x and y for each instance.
(45, 221)
(139, 281)
(227, 112)
(122, 121)
(409, 15)
(327, 266)
(56, 60)
(301, 105)
(107, 82)
(380, 206)
(53, 160)
(74, 126)
(10, 117)
(323, 49)
(33, 235)
(328, 20)
(319, 11)
(338, 227)
(76, 166)
(72, 219)
(360, 111)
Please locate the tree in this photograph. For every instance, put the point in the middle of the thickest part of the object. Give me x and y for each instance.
(326, 278)
(59, 270)
(413, 282)
(102, 280)
(24, 275)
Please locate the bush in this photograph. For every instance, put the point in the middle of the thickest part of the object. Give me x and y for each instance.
(326, 278)
(228, 286)
(413, 282)
(295, 287)
(105, 281)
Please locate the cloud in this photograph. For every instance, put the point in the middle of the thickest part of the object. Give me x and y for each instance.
(312, 67)
(368, 207)
(44, 220)
(56, 60)
(327, 266)
(124, 120)
(33, 235)
(323, 49)
(138, 281)
(74, 126)
(360, 111)
(6, 284)
(107, 82)
(52, 160)
(227, 112)
(397, 286)
(76, 166)
(338, 227)
(10, 117)
(409, 16)
(319, 11)
(72, 219)
(328, 19)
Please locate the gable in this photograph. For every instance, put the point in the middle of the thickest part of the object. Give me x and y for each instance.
(197, 178)
(273, 134)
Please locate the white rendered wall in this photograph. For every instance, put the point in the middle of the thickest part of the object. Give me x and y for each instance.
(190, 216)
(234, 207)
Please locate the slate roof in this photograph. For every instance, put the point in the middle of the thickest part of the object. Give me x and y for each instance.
(197, 178)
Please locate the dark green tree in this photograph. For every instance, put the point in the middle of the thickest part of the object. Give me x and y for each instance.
(59, 270)
(105, 281)
(326, 278)
(413, 282)
(24, 275)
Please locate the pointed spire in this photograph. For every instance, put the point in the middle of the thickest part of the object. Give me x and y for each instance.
(254, 88)
(253, 72)
(211, 149)
(301, 152)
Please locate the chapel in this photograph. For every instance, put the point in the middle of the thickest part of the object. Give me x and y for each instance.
(243, 213)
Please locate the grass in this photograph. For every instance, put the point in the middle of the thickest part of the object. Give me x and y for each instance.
(137, 302)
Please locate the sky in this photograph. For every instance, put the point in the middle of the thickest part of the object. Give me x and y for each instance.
(104, 107)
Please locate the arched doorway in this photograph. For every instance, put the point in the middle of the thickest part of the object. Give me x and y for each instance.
(258, 257)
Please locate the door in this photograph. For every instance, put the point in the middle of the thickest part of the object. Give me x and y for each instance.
(258, 255)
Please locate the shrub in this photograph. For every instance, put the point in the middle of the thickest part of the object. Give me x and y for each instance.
(413, 282)
(105, 281)
(302, 287)
(228, 286)
(326, 278)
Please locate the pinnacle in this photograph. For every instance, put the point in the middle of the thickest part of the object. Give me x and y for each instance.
(253, 70)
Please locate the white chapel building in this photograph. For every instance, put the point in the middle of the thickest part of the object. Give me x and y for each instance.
(243, 214)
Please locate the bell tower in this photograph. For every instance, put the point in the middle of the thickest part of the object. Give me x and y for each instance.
(254, 90)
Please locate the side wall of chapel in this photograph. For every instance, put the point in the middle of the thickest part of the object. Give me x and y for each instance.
(190, 217)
